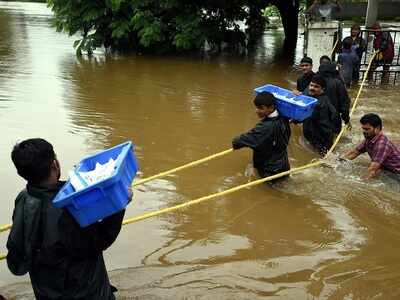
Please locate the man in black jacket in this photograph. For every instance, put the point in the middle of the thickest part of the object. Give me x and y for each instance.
(268, 139)
(319, 128)
(336, 92)
(306, 65)
(64, 261)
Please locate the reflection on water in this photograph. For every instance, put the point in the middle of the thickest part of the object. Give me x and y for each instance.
(323, 233)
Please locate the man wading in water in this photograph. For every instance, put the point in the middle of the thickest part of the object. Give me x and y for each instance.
(268, 139)
(64, 261)
(319, 129)
(383, 153)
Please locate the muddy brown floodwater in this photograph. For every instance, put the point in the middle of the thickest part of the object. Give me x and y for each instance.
(323, 234)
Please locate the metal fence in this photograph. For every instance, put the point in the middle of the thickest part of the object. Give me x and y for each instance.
(388, 73)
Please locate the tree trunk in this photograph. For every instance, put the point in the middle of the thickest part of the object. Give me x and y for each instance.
(255, 25)
(289, 11)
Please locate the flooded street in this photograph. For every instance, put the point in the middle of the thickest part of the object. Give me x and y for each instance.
(322, 234)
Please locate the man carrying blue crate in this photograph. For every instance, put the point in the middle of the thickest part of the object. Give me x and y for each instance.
(64, 261)
(320, 127)
(268, 139)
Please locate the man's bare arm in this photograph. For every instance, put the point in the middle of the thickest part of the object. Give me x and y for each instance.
(373, 170)
(352, 154)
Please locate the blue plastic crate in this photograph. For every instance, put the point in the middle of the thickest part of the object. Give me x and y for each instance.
(103, 198)
(288, 104)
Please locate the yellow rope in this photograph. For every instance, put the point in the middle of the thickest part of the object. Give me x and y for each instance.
(234, 189)
(219, 194)
(191, 164)
(334, 47)
(5, 227)
(255, 182)
(162, 174)
(363, 82)
(354, 104)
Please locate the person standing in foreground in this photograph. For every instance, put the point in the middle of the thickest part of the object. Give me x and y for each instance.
(268, 139)
(319, 128)
(64, 261)
(383, 153)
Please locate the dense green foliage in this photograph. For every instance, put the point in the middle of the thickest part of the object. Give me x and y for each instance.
(146, 25)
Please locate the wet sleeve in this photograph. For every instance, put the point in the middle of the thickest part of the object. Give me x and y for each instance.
(253, 138)
(361, 148)
(23, 235)
(109, 228)
(16, 257)
(93, 239)
(299, 85)
(316, 111)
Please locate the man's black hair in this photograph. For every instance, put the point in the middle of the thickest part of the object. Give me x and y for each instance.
(33, 159)
(266, 99)
(324, 57)
(347, 43)
(318, 79)
(306, 60)
(372, 119)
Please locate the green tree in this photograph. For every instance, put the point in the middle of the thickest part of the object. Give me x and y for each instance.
(164, 25)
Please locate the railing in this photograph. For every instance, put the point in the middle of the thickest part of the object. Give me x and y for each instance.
(387, 73)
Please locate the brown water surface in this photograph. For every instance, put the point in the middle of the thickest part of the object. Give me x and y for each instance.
(323, 234)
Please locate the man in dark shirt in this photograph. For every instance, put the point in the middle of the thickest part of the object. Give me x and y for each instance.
(306, 65)
(268, 139)
(319, 128)
(383, 153)
(336, 92)
(64, 261)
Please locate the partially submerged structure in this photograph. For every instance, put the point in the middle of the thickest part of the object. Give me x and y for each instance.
(321, 38)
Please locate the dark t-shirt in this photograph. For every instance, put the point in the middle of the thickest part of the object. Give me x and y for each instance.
(319, 128)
